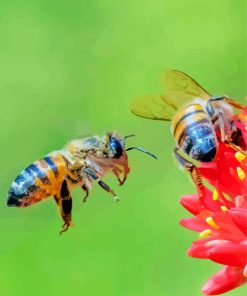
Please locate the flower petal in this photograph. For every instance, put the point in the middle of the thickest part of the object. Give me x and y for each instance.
(208, 202)
(229, 253)
(201, 248)
(228, 228)
(224, 280)
(226, 164)
(193, 224)
(239, 217)
(192, 203)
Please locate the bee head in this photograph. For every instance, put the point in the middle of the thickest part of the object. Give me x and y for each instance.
(117, 146)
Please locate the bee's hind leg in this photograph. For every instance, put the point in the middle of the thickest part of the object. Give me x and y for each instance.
(192, 169)
(102, 184)
(64, 201)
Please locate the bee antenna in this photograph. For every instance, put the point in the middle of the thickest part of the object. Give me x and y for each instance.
(129, 136)
(142, 150)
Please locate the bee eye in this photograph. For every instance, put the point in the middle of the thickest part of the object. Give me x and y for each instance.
(116, 146)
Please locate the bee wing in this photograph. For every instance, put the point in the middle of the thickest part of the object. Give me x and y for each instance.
(181, 88)
(153, 107)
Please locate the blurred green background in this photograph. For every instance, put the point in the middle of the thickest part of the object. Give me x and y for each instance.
(71, 68)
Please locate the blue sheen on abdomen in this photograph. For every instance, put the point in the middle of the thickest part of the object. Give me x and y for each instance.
(200, 142)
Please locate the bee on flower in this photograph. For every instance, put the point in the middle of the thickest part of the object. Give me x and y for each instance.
(220, 216)
(199, 120)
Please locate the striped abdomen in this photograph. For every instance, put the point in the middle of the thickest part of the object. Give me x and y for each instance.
(194, 133)
(38, 181)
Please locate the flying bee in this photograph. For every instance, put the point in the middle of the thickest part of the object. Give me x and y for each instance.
(80, 163)
(198, 119)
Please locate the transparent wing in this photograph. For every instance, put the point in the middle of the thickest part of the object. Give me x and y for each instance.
(153, 107)
(180, 89)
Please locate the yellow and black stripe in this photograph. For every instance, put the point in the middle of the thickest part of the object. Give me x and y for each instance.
(39, 180)
(191, 116)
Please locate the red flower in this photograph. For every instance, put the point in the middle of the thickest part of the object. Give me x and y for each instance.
(221, 216)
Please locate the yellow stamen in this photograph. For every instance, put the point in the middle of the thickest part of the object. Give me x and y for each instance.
(223, 208)
(241, 173)
(205, 233)
(240, 156)
(215, 195)
(211, 222)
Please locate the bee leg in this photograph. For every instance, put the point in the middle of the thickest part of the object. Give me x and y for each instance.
(102, 184)
(224, 133)
(84, 187)
(64, 201)
(192, 169)
(121, 182)
(116, 172)
(231, 102)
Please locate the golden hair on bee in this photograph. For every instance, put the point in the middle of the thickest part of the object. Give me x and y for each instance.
(81, 163)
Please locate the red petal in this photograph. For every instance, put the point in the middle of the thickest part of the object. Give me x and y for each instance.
(228, 228)
(224, 280)
(239, 217)
(193, 224)
(242, 128)
(192, 204)
(201, 248)
(209, 203)
(229, 253)
(225, 163)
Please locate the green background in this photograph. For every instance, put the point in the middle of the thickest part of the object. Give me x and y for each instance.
(71, 68)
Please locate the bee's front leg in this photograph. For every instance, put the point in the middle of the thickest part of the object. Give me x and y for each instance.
(93, 175)
(122, 169)
(64, 201)
(225, 132)
(116, 171)
(85, 188)
(233, 103)
(226, 135)
(230, 101)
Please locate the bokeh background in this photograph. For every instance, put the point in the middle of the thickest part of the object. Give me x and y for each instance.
(71, 68)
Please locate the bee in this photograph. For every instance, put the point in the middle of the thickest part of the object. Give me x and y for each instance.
(79, 164)
(198, 119)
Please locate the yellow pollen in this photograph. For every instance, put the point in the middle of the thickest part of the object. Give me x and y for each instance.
(241, 173)
(205, 233)
(211, 222)
(240, 156)
(215, 195)
(223, 208)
